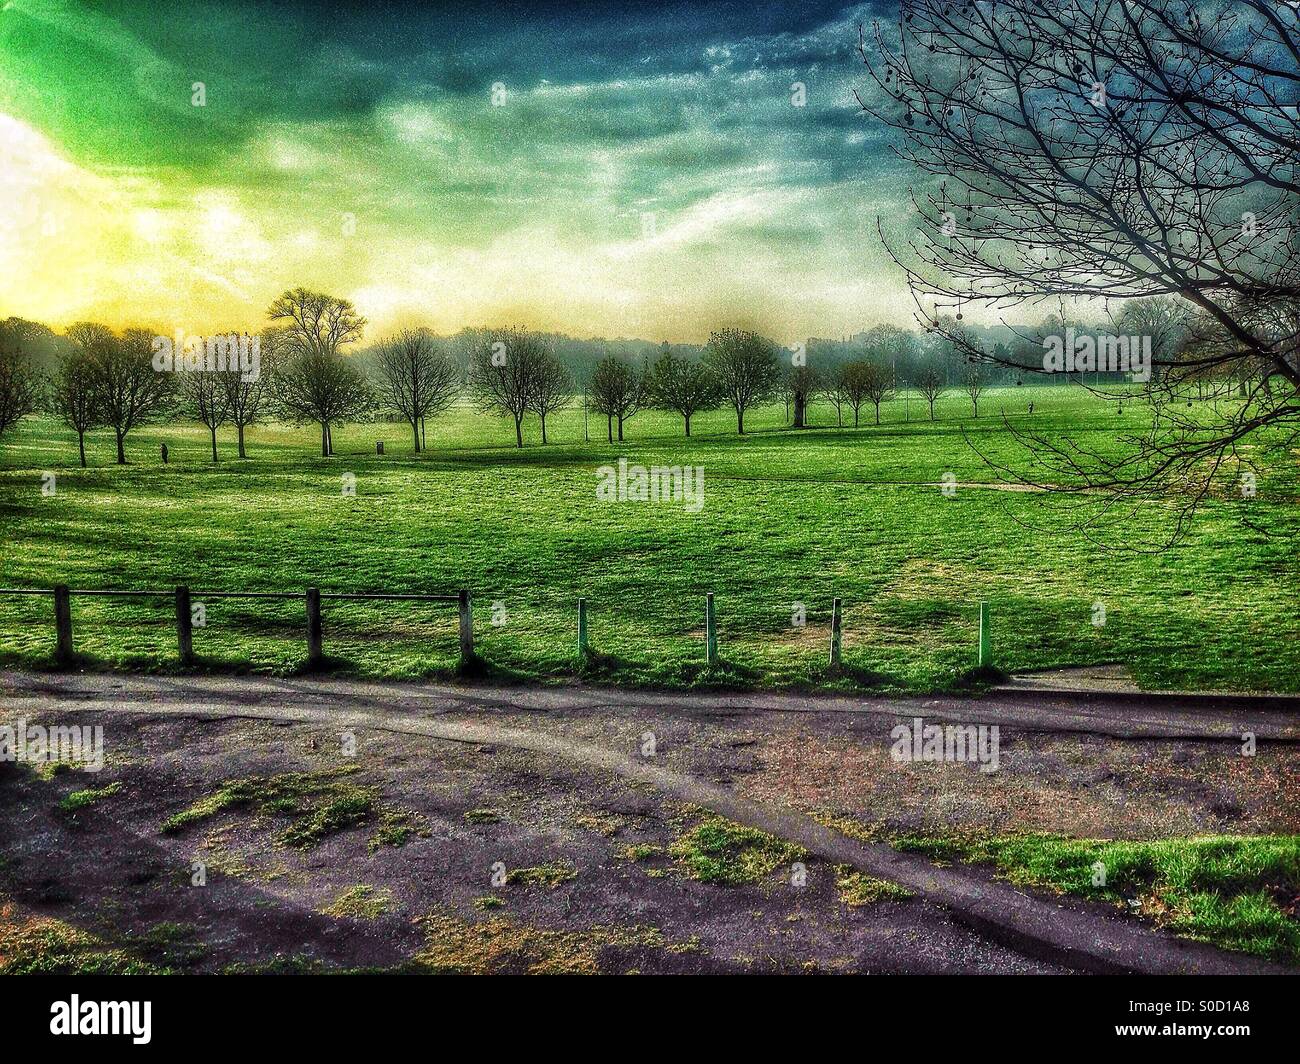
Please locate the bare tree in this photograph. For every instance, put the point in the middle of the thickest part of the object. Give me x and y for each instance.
(248, 394)
(417, 379)
(72, 396)
(683, 386)
(931, 383)
(325, 389)
(318, 324)
(803, 383)
(834, 393)
(745, 367)
(854, 379)
(552, 387)
(1120, 149)
(204, 397)
(877, 384)
(20, 384)
(972, 383)
(617, 391)
(128, 390)
(503, 373)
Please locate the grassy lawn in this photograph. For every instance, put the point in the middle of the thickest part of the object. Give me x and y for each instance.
(1236, 892)
(789, 518)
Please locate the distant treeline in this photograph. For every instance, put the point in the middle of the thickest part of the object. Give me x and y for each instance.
(308, 366)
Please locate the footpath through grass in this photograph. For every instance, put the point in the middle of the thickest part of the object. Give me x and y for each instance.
(790, 520)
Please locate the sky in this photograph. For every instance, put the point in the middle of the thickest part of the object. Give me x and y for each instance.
(599, 169)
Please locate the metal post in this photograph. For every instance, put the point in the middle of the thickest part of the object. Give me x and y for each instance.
(466, 628)
(986, 637)
(582, 627)
(62, 624)
(184, 626)
(315, 654)
(835, 632)
(710, 631)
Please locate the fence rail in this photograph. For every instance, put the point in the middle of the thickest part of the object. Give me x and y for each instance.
(184, 598)
(313, 597)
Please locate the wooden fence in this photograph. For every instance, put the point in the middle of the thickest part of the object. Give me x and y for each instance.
(183, 597)
(63, 646)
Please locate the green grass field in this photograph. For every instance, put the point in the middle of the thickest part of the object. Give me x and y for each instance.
(789, 517)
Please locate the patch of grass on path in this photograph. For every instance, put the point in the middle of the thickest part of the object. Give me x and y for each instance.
(499, 946)
(717, 850)
(79, 800)
(551, 874)
(38, 945)
(1237, 892)
(857, 890)
(362, 902)
(319, 805)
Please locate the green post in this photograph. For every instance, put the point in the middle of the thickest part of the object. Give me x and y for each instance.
(710, 631)
(835, 632)
(582, 627)
(986, 638)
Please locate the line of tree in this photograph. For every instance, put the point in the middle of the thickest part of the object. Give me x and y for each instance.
(108, 380)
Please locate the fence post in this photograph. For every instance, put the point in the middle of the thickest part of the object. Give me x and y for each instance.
(835, 632)
(986, 638)
(466, 628)
(62, 624)
(315, 655)
(184, 626)
(710, 631)
(582, 627)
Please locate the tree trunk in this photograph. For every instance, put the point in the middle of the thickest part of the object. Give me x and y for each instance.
(324, 440)
(800, 409)
(424, 439)
(329, 440)
(688, 424)
(740, 421)
(415, 431)
(240, 428)
(212, 429)
(543, 416)
(81, 446)
(877, 413)
(620, 430)
(855, 417)
(121, 451)
(519, 431)
(931, 409)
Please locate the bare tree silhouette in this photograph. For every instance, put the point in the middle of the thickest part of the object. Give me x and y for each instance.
(1114, 150)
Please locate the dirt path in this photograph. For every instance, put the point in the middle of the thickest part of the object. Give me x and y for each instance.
(1075, 936)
